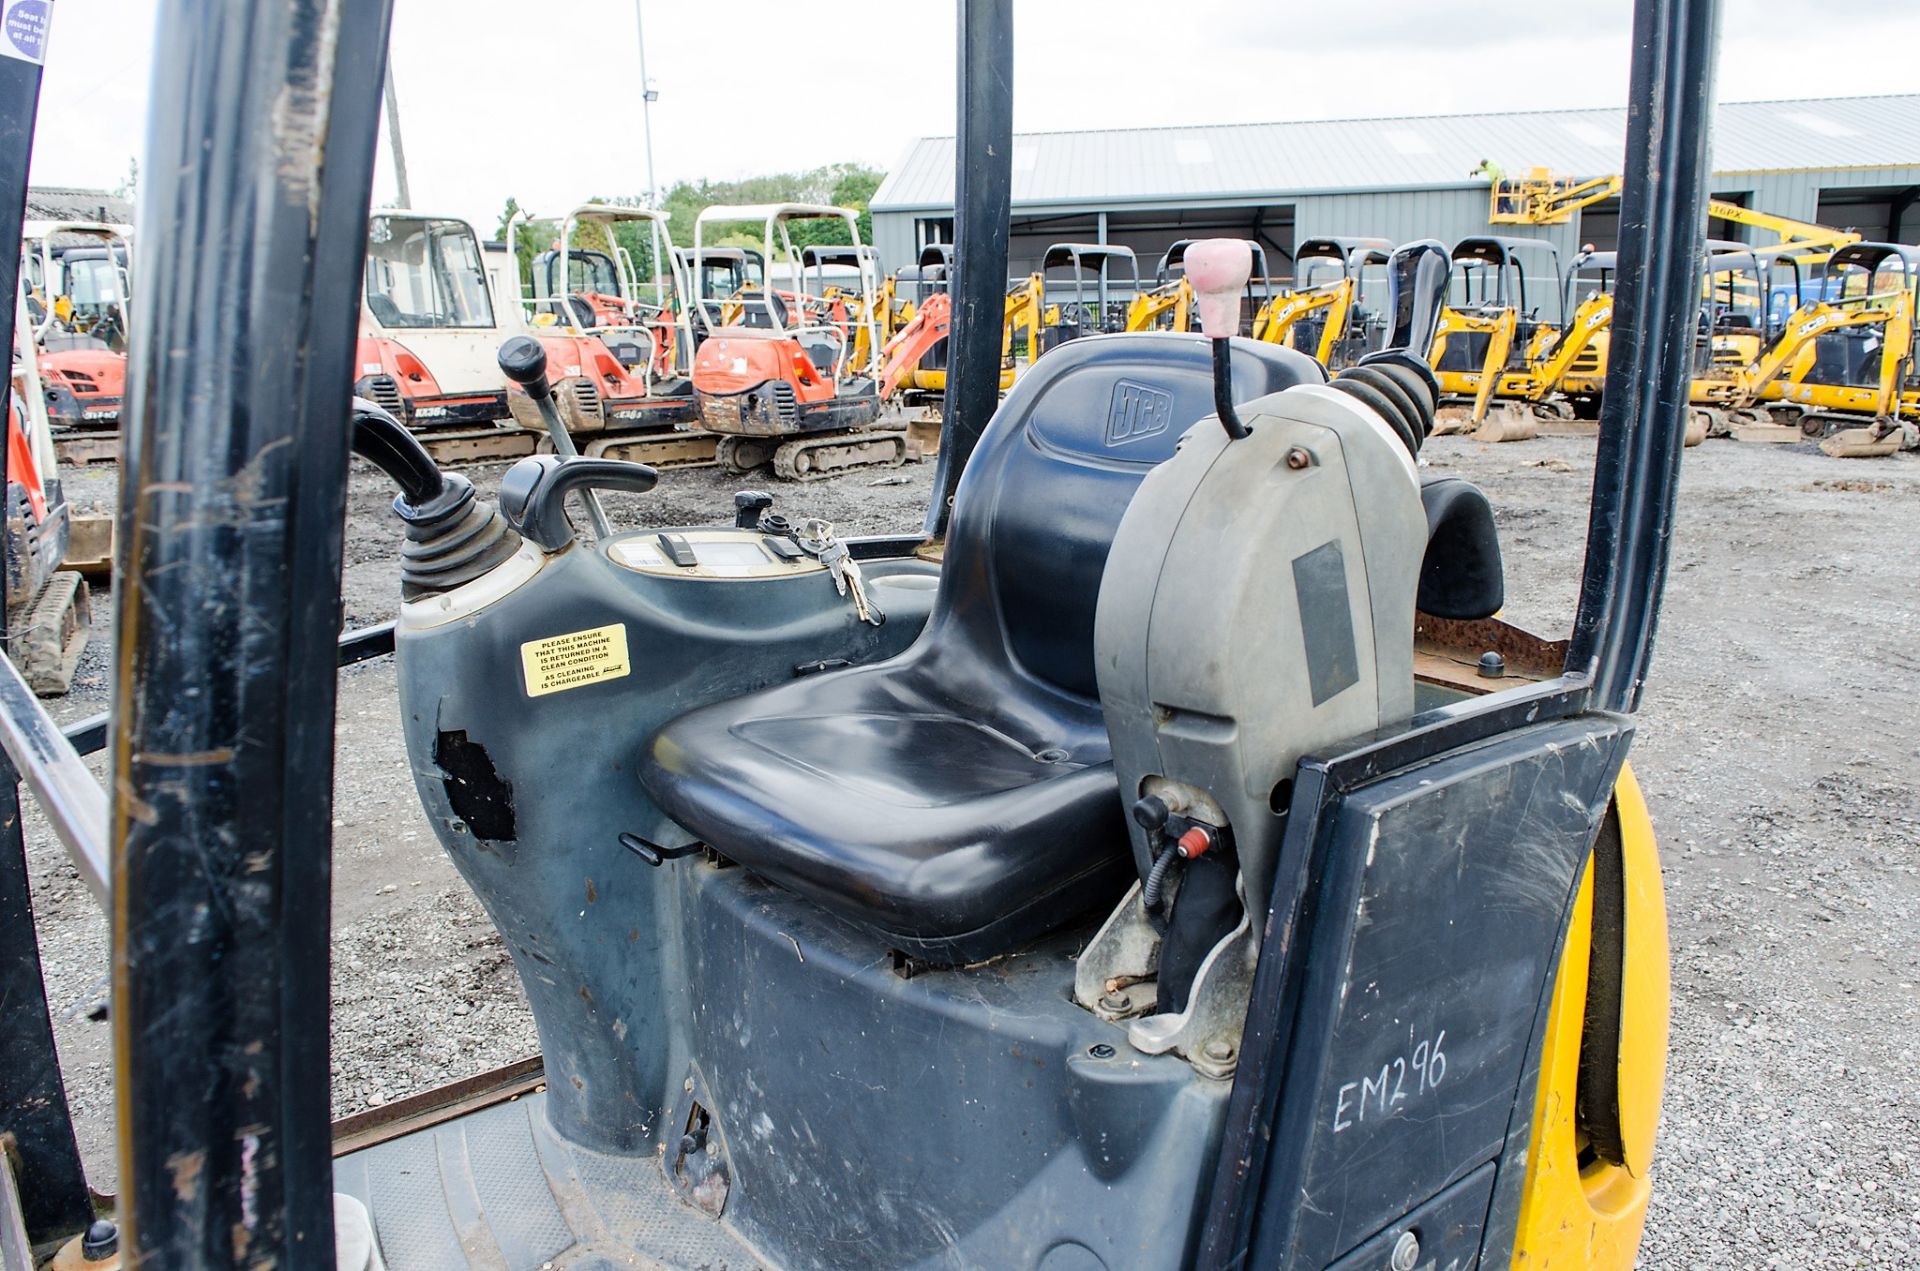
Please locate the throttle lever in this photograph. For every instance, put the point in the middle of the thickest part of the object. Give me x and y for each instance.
(524, 361)
(533, 494)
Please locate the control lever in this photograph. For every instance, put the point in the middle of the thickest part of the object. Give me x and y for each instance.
(1218, 269)
(534, 492)
(748, 505)
(523, 361)
(1396, 382)
(1417, 276)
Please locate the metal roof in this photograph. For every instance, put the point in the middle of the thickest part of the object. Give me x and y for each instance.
(66, 203)
(1258, 161)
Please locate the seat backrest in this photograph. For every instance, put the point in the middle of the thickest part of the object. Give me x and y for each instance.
(1044, 490)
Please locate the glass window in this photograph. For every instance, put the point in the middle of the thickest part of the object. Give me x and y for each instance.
(425, 273)
(90, 282)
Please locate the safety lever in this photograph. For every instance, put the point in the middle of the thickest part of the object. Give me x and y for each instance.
(1417, 276)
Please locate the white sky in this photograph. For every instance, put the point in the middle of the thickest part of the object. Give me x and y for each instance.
(539, 98)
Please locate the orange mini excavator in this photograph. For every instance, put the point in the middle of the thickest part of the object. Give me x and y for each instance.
(779, 375)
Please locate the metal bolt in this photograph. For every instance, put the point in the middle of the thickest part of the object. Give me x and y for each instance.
(1406, 1252)
(1115, 1003)
(1219, 1051)
(1298, 459)
(1492, 665)
(1100, 1050)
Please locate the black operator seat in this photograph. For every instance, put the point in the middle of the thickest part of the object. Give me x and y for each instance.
(959, 799)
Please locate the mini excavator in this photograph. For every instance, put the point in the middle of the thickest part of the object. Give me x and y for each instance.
(775, 372)
(1166, 858)
(1331, 312)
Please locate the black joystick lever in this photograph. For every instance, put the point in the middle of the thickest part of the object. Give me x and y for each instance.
(748, 506)
(1396, 382)
(1417, 276)
(524, 361)
(453, 536)
(534, 492)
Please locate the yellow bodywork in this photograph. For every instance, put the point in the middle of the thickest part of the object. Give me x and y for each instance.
(1575, 1216)
(1499, 324)
(1780, 372)
(1168, 307)
(1277, 318)
(1553, 358)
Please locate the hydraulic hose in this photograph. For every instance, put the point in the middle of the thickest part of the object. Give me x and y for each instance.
(1157, 876)
(1223, 390)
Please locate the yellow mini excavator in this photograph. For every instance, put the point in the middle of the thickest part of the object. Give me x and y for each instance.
(1842, 366)
(1494, 325)
(1333, 311)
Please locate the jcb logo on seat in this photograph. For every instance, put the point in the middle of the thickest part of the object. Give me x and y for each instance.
(1138, 411)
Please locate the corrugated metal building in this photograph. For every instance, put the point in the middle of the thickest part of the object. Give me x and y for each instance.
(1852, 162)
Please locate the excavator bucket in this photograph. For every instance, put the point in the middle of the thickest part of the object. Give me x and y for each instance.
(1874, 441)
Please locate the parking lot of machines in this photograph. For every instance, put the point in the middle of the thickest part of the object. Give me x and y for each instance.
(809, 359)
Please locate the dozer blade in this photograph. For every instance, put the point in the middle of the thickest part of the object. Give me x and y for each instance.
(1451, 420)
(90, 545)
(659, 450)
(1552, 422)
(1767, 434)
(1863, 443)
(48, 644)
(82, 448)
(1507, 421)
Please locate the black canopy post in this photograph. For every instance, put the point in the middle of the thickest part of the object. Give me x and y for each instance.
(1644, 409)
(983, 208)
(252, 224)
(34, 1115)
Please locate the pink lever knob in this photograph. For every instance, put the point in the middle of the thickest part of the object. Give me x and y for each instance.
(1218, 269)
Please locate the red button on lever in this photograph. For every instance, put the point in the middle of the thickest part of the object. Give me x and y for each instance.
(1194, 842)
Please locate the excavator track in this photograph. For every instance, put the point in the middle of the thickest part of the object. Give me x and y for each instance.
(478, 445)
(80, 448)
(657, 450)
(738, 456)
(48, 642)
(812, 458)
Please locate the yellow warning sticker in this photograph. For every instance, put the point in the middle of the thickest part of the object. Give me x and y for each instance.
(561, 662)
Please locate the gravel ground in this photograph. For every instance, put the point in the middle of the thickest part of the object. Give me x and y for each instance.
(1775, 746)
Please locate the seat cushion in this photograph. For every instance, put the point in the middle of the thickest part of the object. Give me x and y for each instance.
(948, 835)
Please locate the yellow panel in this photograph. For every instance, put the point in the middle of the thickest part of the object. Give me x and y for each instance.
(1592, 1218)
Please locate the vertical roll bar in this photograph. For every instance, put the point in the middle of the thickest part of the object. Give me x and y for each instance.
(253, 217)
(983, 202)
(34, 1118)
(1643, 416)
